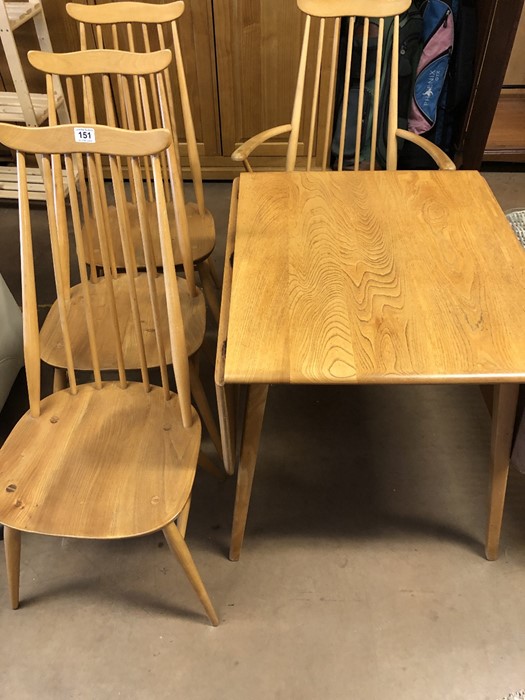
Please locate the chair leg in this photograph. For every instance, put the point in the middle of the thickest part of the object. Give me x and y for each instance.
(206, 463)
(182, 520)
(180, 549)
(503, 416)
(253, 420)
(208, 287)
(59, 379)
(12, 546)
(214, 274)
(203, 406)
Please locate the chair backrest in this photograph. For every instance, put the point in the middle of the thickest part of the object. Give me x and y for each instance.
(135, 96)
(142, 27)
(60, 148)
(334, 57)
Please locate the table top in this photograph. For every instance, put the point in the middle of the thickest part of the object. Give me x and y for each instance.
(374, 277)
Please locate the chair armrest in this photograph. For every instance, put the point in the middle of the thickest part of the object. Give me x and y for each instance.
(242, 153)
(438, 156)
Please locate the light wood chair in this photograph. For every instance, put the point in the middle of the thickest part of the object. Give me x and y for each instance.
(310, 133)
(142, 27)
(138, 81)
(106, 459)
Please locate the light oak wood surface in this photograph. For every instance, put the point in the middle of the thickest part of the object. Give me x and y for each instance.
(54, 483)
(387, 277)
(193, 316)
(358, 8)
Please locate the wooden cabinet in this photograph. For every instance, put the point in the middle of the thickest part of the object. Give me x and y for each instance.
(507, 134)
(498, 21)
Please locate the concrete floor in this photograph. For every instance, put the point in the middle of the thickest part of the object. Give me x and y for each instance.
(362, 574)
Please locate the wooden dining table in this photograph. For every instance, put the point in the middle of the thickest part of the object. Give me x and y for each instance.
(368, 278)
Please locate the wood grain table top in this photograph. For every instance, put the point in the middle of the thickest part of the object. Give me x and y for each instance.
(383, 277)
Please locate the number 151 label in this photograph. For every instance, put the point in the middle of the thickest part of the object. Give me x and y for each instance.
(84, 135)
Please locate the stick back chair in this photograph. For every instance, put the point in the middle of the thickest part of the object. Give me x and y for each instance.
(324, 47)
(142, 27)
(106, 459)
(139, 81)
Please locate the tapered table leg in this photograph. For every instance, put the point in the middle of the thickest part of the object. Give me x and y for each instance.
(503, 417)
(253, 420)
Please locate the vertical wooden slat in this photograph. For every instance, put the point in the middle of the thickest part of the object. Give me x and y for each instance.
(315, 98)
(129, 261)
(62, 228)
(141, 125)
(291, 155)
(29, 302)
(167, 77)
(143, 99)
(331, 93)
(57, 220)
(91, 118)
(181, 220)
(346, 91)
(391, 148)
(128, 118)
(189, 129)
(377, 92)
(360, 100)
(51, 101)
(81, 256)
(179, 354)
(100, 37)
(99, 203)
(109, 106)
(114, 36)
(63, 237)
(83, 39)
(151, 270)
(156, 110)
(79, 165)
(131, 38)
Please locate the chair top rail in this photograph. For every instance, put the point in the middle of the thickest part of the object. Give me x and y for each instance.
(65, 138)
(128, 12)
(353, 8)
(100, 61)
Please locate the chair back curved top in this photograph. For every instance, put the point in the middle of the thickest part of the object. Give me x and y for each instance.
(61, 148)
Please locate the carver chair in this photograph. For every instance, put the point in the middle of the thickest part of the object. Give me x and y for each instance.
(111, 458)
(142, 27)
(138, 82)
(331, 67)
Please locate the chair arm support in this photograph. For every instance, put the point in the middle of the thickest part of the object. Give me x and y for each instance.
(438, 156)
(243, 152)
